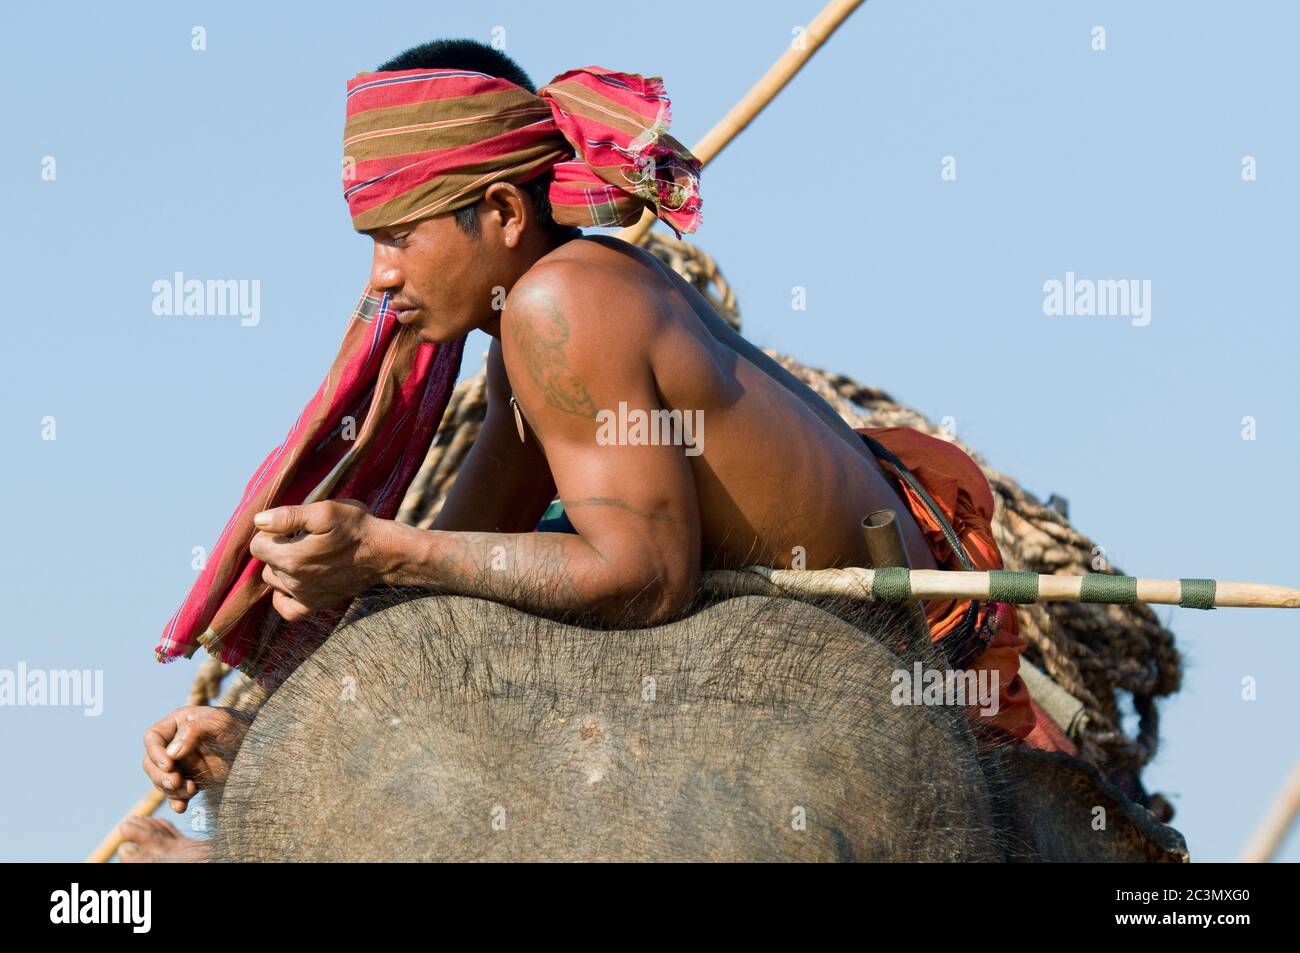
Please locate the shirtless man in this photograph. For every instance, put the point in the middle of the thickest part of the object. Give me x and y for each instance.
(587, 323)
(779, 471)
(580, 325)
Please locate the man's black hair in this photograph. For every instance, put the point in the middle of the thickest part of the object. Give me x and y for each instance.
(482, 58)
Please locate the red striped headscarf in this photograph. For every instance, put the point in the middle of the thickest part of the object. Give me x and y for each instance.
(427, 142)
(423, 143)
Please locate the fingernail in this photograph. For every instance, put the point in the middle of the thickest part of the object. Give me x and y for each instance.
(174, 747)
(263, 518)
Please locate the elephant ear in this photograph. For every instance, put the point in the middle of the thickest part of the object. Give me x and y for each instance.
(1061, 809)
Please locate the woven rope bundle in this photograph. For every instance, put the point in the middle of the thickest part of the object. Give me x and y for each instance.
(1098, 653)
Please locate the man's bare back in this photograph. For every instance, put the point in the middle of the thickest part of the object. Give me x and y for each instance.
(779, 474)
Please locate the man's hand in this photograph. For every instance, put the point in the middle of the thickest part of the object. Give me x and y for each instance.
(190, 749)
(317, 556)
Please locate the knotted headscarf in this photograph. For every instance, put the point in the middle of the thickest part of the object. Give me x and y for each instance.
(420, 143)
(427, 142)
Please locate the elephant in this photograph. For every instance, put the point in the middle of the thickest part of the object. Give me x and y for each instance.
(433, 727)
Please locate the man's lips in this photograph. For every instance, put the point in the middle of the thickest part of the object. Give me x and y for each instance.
(402, 312)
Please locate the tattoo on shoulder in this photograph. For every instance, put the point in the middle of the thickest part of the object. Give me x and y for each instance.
(541, 340)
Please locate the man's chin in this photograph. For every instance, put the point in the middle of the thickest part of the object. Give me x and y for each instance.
(442, 335)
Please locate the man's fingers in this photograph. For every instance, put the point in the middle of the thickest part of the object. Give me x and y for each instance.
(169, 782)
(172, 783)
(180, 798)
(290, 609)
(277, 551)
(157, 776)
(273, 579)
(156, 740)
(180, 787)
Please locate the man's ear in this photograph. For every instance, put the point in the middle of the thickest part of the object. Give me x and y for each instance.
(507, 211)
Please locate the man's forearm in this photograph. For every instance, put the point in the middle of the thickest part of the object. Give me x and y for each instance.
(537, 572)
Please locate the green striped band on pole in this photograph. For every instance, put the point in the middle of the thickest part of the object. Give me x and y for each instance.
(1116, 590)
(1022, 588)
(1196, 593)
(1018, 587)
(892, 584)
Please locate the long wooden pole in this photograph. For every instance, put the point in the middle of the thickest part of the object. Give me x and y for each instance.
(763, 92)
(1272, 831)
(113, 839)
(945, 584)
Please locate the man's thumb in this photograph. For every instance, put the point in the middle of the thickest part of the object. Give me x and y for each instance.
(182, 744)
(281, 519)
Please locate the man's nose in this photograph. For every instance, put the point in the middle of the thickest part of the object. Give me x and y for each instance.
(385, 275)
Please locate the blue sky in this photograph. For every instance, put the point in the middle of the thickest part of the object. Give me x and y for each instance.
(224, 163)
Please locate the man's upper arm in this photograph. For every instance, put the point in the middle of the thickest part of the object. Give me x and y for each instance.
(574, 361)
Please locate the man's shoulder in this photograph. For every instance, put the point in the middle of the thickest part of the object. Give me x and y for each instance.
(574, 336)
(587, 270)
(580, 300)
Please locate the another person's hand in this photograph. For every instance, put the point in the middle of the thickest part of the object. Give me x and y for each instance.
(318, 555)
(190, 749)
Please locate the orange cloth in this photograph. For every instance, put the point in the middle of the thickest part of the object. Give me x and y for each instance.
(960, 490)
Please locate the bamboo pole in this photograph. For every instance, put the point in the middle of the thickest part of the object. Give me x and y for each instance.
(946, 584)
(1272, 831)
(763, 92)
(113, 840)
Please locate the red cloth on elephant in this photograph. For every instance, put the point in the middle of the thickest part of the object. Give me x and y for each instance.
(960, 490)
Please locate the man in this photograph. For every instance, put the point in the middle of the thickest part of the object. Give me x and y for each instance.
(585, 329)
(582, 325)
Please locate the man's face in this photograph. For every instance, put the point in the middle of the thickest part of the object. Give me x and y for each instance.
(439, 280)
